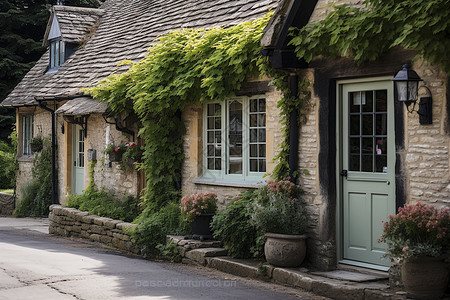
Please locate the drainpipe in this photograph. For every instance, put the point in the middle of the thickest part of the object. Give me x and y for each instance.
(55, 200)
(293, 129)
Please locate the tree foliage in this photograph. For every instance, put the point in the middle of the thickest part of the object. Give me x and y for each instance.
(366, 33)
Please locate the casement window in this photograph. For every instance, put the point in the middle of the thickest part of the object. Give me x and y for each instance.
(235, 139)
(57, 53)
(27, 133)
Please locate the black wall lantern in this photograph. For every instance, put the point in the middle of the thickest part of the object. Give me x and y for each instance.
(407, 89)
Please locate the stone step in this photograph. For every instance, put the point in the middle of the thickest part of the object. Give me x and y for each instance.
(199, 255)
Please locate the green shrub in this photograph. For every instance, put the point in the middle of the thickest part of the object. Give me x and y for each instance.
(279, 209)
(153, 225)
(149, 233)
(102, 203)
(8, 162)
(234, 228)
(36, 196)
(169, 250)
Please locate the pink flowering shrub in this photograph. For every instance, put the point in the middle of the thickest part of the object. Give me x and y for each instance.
(279, 208)
(417, 230)
(197, 204)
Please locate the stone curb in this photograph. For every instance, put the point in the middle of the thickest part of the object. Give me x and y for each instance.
(332, 288)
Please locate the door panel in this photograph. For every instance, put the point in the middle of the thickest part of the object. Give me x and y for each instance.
(78, 160)
(368, 156)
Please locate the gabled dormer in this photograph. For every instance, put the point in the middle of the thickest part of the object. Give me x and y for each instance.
(67, 29)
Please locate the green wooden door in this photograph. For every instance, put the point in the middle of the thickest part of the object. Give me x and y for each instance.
(77, 159)
(368, 165)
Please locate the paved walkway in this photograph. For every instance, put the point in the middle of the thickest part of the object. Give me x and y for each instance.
(36, 265)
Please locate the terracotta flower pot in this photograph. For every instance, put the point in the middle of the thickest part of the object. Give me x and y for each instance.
(285, 250)
(425, 277)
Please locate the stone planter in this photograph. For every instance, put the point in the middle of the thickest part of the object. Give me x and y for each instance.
(285, 250)
(201, 229)
(425, 277)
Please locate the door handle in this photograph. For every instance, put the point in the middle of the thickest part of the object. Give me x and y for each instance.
(388, 182)
(344, 173)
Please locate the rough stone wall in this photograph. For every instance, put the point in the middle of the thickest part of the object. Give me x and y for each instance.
(6, 204)
(321, 254)
(42, 127)
(427, 146)
(72, 222)
(193, 149)
(23, 174)
(120, 179)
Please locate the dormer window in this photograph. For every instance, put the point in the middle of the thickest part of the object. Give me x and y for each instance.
(57, 53)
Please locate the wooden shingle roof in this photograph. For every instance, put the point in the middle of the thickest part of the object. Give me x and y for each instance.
(125, 31)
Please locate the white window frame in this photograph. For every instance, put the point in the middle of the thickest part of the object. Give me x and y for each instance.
(27, 133)
(223, 173)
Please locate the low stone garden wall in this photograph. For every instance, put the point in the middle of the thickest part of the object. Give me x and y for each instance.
(65, 221)
(6, 204)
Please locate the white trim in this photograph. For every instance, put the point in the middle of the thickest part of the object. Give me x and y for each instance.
(222, 175)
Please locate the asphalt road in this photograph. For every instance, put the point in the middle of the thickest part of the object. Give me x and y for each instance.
(35, 265)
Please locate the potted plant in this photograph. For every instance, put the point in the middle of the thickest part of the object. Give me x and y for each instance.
(132, 153)
(280, 213)
(115, 152)
(199, 210)
(418, 237)
(36, 144)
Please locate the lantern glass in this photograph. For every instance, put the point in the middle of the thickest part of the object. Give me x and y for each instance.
(402, 90)
(412, 90)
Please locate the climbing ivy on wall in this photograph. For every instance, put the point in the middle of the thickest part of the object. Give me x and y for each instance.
(367, 32)
(186, 66)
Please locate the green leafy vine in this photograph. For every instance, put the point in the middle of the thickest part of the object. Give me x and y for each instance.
(366, 33)
(183, 67)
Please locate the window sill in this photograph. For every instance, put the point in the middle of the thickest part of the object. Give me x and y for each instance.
(229, 183)
(25, 158)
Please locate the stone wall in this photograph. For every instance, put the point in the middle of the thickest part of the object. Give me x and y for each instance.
(71, 222)
(427, 146)
(7, 204)
(119, 179)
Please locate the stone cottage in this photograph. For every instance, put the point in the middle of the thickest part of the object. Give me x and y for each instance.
(359, 154)
(84, 46)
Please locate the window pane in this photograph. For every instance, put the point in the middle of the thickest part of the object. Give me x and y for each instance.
(261, 135)
(262, 105)
(253, 120)
(367, 163)
(211, 150)
(354, 125)
(56, 54)
(262, 120)
(367, 124)
(253, 105)
(367, 101)
(253, 150)
(253, 165)
(211, 123)
(211, 163)
(381, 100)
(262, 165)
(235, 137)
(262, 150)
(354, 162)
